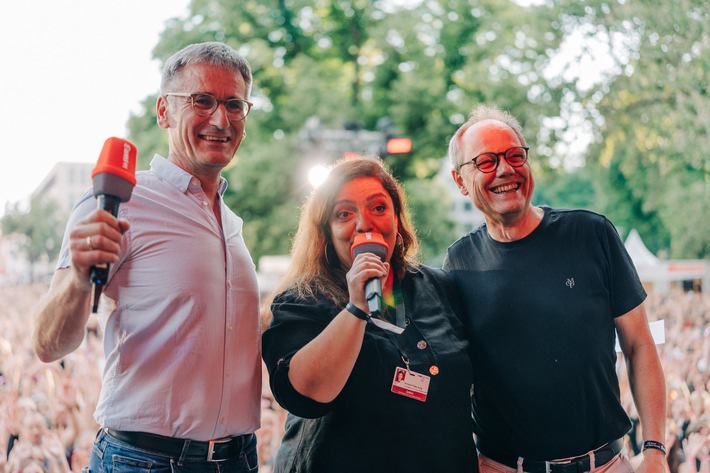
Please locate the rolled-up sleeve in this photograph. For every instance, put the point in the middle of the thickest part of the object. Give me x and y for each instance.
(295, 323)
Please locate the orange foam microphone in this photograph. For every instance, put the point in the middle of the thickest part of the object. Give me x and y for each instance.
(369, 242)
(113, 179)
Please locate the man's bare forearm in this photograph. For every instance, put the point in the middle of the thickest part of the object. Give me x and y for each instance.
(60, 321)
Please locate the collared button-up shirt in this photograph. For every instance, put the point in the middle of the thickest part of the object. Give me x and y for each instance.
(179, 314)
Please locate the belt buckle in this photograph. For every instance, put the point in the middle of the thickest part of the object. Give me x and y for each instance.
(211, 445)
(549, 464)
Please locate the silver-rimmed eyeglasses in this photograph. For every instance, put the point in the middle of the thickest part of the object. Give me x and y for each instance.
(488, 162)
(204, 105)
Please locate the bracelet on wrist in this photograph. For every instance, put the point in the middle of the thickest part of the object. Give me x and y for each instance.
(654, 445)
(357, 312)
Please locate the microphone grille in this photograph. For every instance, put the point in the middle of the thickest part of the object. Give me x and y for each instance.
(369, 243)
(115, 171)
(118, 157)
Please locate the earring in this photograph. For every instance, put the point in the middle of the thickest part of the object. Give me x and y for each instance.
(330, 250)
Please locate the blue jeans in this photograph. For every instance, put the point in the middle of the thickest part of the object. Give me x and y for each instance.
(112, 455)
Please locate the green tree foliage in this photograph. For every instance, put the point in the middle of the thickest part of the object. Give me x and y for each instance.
(649, 114)
(40, 227)
(146, 135)
(417, 68)
(428, 199)
(567, 189)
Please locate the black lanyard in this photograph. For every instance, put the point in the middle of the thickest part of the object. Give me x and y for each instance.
(399, 339)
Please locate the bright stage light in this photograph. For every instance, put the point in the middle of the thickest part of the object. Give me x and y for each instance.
(317, 175)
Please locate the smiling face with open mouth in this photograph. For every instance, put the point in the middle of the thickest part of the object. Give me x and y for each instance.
(202, 145)
(504, 194)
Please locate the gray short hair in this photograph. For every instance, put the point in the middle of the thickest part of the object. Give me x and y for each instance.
(213, 53)
(478, 114)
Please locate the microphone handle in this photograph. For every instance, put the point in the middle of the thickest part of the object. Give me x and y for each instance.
(108, 203)
(373, 294)
(99, 273)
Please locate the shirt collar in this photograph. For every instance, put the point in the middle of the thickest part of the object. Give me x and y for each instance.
(176, 176)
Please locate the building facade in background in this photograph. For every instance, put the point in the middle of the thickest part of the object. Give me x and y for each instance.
(62, 186)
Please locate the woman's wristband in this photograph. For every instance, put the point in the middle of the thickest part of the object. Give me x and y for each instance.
(655, 445)
(356, 311)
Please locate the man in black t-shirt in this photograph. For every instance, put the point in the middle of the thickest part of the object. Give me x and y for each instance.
(545, 292)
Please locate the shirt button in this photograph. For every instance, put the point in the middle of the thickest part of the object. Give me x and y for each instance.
(195, 182)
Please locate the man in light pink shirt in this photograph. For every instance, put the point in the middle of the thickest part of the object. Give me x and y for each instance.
(182, 381)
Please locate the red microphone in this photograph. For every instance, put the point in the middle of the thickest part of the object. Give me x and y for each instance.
(371, 243)
(113, 178)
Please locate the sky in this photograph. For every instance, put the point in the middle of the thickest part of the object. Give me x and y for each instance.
(71, 72)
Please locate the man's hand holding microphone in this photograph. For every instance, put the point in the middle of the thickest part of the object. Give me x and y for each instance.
(96, 240)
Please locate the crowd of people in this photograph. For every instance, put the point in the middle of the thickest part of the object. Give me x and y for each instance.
(685, 356)
(46, 410)
(65, 393)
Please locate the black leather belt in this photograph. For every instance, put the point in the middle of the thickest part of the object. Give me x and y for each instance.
(602, 456)
(213, 450)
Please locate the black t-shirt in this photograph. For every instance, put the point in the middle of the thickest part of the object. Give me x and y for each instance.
(540, 321)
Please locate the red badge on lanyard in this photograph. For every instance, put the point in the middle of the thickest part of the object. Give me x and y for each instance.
(410, 384)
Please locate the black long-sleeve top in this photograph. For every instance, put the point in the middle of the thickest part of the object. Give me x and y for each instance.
(368, 428)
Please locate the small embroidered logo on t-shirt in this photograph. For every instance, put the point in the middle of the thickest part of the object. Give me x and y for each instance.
(570, 283)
